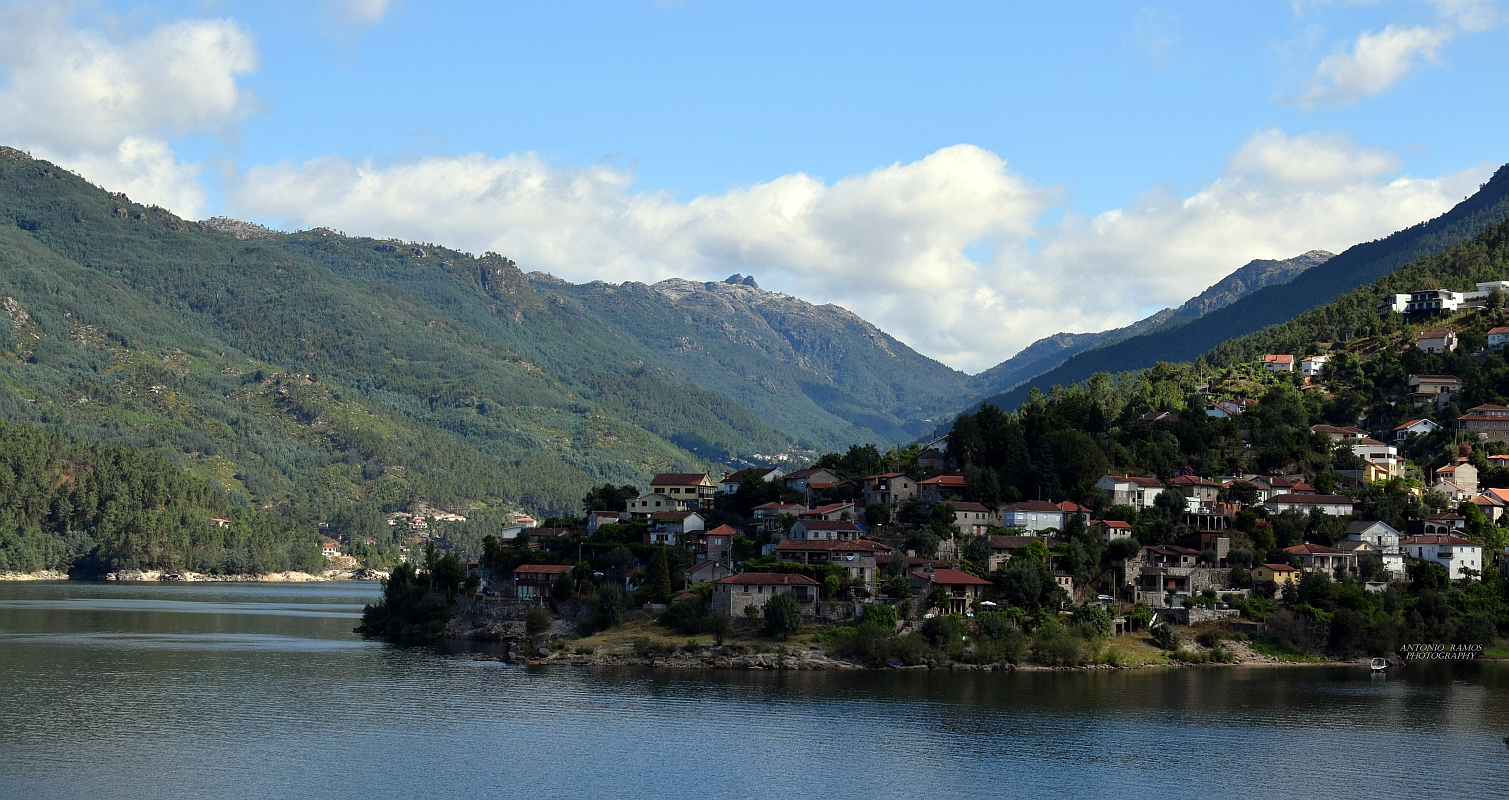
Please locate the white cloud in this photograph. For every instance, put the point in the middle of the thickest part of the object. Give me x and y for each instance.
(85, 100)
(1375, 62)
(363, 12)
(890, 244)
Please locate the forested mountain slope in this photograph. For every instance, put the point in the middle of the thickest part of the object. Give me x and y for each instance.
(1357, 266)
(308, 371)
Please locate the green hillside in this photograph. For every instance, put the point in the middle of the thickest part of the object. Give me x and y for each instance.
(1357, 266)
(306, 372)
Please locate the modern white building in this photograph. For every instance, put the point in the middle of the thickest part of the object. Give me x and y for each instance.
(1313, 366)
(1334, 504)
(1452, 552)
(1130, 490)
(1383, 539)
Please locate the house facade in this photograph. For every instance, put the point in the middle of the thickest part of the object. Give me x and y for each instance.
(692, 489)
(1454, 553)
(1130, 490)
(732, 480)
(533, 581)
(706, 572)
(767, 515)
(1275, 573)
(1319, 558)
(1415, 427)
(973, 519)
(1489, 422)
(1278, 362)
(856, 556)
(1497, 338)
(1314, 366)
(889, 489)
(798, 481)
(1437, 341)
(962, 587)
(1433, 390)
(940, 488)
(735, 594)
(1334, 504)
(1460, 473)
(840, 530)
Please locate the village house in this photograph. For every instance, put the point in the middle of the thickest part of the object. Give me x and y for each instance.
(1073, 509)
(962, 587)
(1433, 390)
(1278, 362)
(1130, 490)
(735, 594)
(940, 488)
(1159, 416)
(1314, 366)
(1319, 558)
(1338, 433)
(1497, 338)
(1199, 491)
(856, 556)
(838, 530)
(1222, 409)
(533, 581)
(933, 460)
(714, 545)
(732, 480)
(691, 489)
(767, 515)
(972, 519)
(798, 481)
(1032, 515)
(330, 549)
(706, 572)
(1445, 523)
(1275, 573)
(597, 519)
(1334, 504)
(1453, 492)
(644, 505)
(1437, 341)
(831, 512)
(1491, 503)
(1456, 554)
(1379, 534)
(1415, 427)
(1114, 529)
(1461, 473)
(1001, 547)
(1488, 422)
(673, 527)
(539, 536)
(889, 489)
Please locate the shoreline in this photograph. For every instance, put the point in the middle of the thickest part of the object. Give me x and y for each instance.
(177, 576)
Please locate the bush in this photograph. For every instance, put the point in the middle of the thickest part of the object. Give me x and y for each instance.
(943, 631)
(910, 649)
(607, 610)
(880, 615)
(538, 621)
(1165, 637)
(1095, 618)
(686, 616)
(1054, 646)
(1212, 637)
(720, 625)
(783, 615)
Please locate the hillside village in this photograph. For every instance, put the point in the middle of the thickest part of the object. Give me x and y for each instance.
(1358, 481)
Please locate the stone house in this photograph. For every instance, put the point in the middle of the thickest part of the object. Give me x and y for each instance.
(973, 519)
(1460, 473)
(889, 489)
(706, 571)
(857, 557)
(962, 587)
(735, 594)
(1490, 422)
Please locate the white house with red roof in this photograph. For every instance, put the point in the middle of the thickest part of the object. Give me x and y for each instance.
(1436, 341)
(1130, 490)
(1314, 366)
(1498, 337)
(1454, 553)
(1415, 427)
(1278, 362)
(1032, 515)
(330, 549)
(1337, 505)
(732, 480)
(1114, 529)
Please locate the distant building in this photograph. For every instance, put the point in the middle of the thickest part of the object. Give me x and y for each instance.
(1452, 552)
(1436, 341)
(1313, 366)
(1280, 362)
(1489, 421)
(1130, 490)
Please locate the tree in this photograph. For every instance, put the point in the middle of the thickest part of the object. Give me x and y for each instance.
(537, 621)
(783, 615)
(657, 586)
(896, 587)
(939, 598)
(720, 625)
(1243, 494)
(979, 552)
(609, 498)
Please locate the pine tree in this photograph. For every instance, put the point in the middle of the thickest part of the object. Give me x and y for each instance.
(659, 583)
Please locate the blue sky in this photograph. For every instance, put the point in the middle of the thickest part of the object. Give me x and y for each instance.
(958, 173)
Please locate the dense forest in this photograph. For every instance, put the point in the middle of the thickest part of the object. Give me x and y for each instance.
(89, 509)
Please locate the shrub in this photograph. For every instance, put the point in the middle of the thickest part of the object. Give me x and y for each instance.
(1165, 637)
(686, 616)
(783, 615)
(1140, 616)
(720, 625)
(1055, 646)
(1212, 637)
(1095, 618)
(880, 615)
(943, 631)
(910, 649)
(537, 621)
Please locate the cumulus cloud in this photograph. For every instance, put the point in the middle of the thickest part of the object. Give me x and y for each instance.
(363, 12)
(1375, 62)
(86, 100)
(894, 244)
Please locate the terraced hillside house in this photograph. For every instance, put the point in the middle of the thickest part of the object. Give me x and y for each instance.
(1336, 505)
(736, 594)
(831, 512)
(961, 587)
(691, 489)
(1276, 573)
(974, 519)
(1433, 390)
(1278, 362)
(1384, 456)
(1201, 492)
(1489, 422)
(890, 489)
(1340, 433)
(707, 571)
(732, 480)
(1462, 558)
(767, 515)
(1320, 558)
(842, 530)
(597, 519)
(940, 488)
(645, 505)
(800, 480)
(935, 460)
(1433, 302)
(1114, 529)
(713, 545)
(1032, 515)
(1131, 490)
(1497, 338)
(1442, 340)
(1314, 366)
(673, 527)
(1461, 473)
(855, 556)
(1415, 427)
(1001, 547)
(533, 581)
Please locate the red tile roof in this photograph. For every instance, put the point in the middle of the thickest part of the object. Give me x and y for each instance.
(1193, 480)
(952, 577)
(830, 525)
(1308, 549)
(1281, 568)
(1440, 539)
(767, 579)
(678, 478)
(856, 545)
(1311, 499)
(1033, 505)
(950, 481)
(975, 507)
(541, 569)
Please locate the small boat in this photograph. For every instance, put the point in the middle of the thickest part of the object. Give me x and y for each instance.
(1379, 665)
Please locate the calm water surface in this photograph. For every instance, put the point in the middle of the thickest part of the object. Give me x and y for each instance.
(261, 690)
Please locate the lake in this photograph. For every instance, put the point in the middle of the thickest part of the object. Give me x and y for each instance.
(261, 690)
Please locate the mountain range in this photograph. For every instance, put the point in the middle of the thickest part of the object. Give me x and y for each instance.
(313, 370)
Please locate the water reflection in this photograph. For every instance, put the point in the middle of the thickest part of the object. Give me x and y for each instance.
(262, 690)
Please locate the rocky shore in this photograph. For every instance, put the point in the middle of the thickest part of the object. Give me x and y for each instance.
(181, 576)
